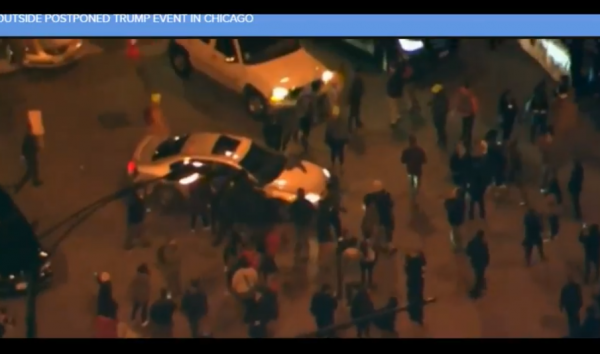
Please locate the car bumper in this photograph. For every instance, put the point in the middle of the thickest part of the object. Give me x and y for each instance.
(328, 90)
(43, 60)
(20, 286)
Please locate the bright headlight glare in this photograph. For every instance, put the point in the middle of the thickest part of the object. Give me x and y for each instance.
(327, 76)
(312, 197)
(279, 93)
(326, 173)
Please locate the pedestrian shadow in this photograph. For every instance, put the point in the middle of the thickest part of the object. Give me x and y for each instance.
(420, 223)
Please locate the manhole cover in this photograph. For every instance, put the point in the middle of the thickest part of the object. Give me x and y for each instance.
(113, 120)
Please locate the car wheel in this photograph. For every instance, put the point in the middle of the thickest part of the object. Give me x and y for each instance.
(167, 199)
(180, 61)
(255, 103)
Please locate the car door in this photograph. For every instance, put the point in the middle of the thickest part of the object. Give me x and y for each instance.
(200, 50)
(227, 65)
(221, 173)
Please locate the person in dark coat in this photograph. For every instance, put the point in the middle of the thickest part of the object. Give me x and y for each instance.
(322, 307)
(479, 257)
(590, 240)
(194, 305)
(413, 158)
(140, 293)
(554, 189)
(539, 109)
(440, 106)
(575, 187)
(105, 303)
(384, 205)
(571, 302)
(459, 165)
(161, 316)
(514, 173)
(414, 267)
(136, 214)
(533, 235)
(262, 309)
(200, 197)
(30, 150)
(368, 259)
(355, 95)
(336, 138)
(361, 307)
(455, 213)
(496, 159)
(478, 179)
(272, 132)
(301, 212)
(508, 112)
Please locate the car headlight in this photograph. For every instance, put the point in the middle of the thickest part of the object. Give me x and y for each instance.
(327, 76)
(327, 173)
(279, 94)
(312, 197)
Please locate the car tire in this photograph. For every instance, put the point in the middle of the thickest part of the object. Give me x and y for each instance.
(167, 199)
(180, 61)
(255, 103)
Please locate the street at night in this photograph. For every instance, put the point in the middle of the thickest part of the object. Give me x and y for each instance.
(93, 116)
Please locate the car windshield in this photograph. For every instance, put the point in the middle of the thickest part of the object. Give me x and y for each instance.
(170, 147)
(260, 50)
(263, 164)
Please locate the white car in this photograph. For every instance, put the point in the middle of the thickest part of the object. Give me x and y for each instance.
(43, 52)
(269, 73)
(222, 155)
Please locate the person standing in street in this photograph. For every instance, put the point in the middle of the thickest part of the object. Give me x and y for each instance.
(140, 293)
(301, 212)
(355, 96)
(571, 302)
(336, 138)
(538, 108)
(466, 108)
(30, 150)
(154, 116)
(414, 267)
(200, 197)
(382, 200)
(194, 305)
(552, 213)
(136, 214)
(575, 187)
(479, 257)
(322, 307)
(533, 235)
(413, 158)
(368, 259)
(395, 91)
(440, 106)
(496, 161)
(508, 112)
(169, 260)
(272, 132)
(455, 213)
(362, 306)
(478, 180)
(161, 315)
(459, 166)
(590, 240)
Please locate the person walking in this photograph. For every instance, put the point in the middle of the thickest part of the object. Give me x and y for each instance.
(322, 307)
(140, 293)
(368, 259)
(575, 187)
(383, 203)
(552, 214)
(302, 213)
(571, 302)
(336, 138)
(508, 112)
(361, 307)
(395, 91)
(414, 267)
(194, 305)
(533, 235)
(169, 260)
(413, 158)
(440, 106)
(30, 150)
(479, 257)
(161, 315)
(459, 165)
(478, 180)
(455, 213)
(199, 199)
(466, 107)
(136, 214)
(514, 173)
(538, 107)
(590, 240)
(355, 96)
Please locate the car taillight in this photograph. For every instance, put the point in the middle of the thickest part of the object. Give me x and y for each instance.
(131, 168)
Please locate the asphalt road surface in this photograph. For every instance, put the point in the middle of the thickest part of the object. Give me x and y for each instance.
(92, 112)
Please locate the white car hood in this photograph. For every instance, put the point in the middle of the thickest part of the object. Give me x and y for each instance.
(290, 71)
(305, 175)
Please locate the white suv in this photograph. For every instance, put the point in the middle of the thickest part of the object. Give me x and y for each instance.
(270, 73)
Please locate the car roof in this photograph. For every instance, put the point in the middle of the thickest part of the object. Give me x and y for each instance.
(202, 144)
